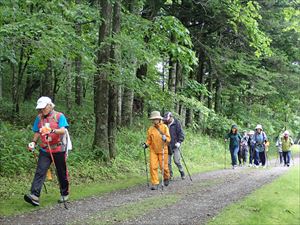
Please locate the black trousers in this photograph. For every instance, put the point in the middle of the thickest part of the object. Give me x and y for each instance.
(44, 163)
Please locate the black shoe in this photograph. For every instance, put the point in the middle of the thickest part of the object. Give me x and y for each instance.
(182, 175)
(154, 187)
(166, 182)
(32, 199)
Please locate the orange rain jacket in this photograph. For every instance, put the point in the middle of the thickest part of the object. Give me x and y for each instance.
(154, 138)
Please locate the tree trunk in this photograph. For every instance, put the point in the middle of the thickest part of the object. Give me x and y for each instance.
(113, 88)
(138, 102)
(78, 81)
(14, 89)
(69, 85)
(172, 75)
(101, 87)
(189, 117)
(1, 84)
(127, 107)
(77, 62)
(218, 96)
(47, 81)
(201, 72)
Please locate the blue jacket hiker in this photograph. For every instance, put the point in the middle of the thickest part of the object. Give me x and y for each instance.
(234, 144)
(260, 139)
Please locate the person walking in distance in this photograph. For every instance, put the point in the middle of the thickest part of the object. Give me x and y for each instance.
(177, 137)
(234, 144)
(287, 143)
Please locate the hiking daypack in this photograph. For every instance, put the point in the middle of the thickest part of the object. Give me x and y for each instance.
(65, 139)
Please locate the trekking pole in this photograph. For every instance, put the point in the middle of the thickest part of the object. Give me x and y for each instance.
(185, 165)
(146, 167)
(36, 160)
(292, 158)
(163, 166)
(52, 158)
(225, 154)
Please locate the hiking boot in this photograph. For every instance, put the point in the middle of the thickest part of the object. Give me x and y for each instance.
(182, 175)
(63, 199)
(166, 182)
(154, 187)
(32, 199)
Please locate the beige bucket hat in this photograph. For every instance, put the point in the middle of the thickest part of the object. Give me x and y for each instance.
(155, 115)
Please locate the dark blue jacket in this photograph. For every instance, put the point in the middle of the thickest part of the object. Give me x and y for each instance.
(176, 133)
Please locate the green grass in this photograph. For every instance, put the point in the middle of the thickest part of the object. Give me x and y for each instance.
(131, 210)
(277, 203)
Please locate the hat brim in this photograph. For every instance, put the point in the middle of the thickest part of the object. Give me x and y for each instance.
(156, 117)
(41, 105)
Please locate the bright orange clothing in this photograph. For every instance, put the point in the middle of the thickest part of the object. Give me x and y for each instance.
(156, 145)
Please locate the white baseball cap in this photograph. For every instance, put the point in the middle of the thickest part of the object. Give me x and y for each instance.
(258, 126)
(43, 101)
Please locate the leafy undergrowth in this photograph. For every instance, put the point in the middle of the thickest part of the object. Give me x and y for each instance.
(275, 203)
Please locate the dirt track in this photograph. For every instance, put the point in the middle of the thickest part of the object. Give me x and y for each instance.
(195, 202)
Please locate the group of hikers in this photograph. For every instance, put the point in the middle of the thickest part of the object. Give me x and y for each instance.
(164, 139)
(256, 144)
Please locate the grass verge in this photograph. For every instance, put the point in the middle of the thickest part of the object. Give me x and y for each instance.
(275, 203)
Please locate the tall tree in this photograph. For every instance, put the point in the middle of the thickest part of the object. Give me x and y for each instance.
(78, 62)
(113, 88)
(101, 85)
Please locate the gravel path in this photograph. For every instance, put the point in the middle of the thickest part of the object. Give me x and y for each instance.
(198, 201)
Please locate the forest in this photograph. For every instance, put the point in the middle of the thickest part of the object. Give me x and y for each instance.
(107, 64)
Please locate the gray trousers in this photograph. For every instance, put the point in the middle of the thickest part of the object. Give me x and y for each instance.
(176, 156)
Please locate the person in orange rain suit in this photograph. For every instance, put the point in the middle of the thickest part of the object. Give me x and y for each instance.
(158, 138)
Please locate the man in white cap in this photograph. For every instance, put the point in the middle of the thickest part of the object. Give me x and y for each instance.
(260, 140)
(49, 127)
(286, 143)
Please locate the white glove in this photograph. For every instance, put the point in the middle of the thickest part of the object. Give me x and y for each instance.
(177, 145)
(31, 145)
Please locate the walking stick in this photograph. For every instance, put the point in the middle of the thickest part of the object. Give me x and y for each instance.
(146, 167)
(225, 154)
(36, 160)
(52, 158)
(292, 158)
(185, 165)
(163, 166)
